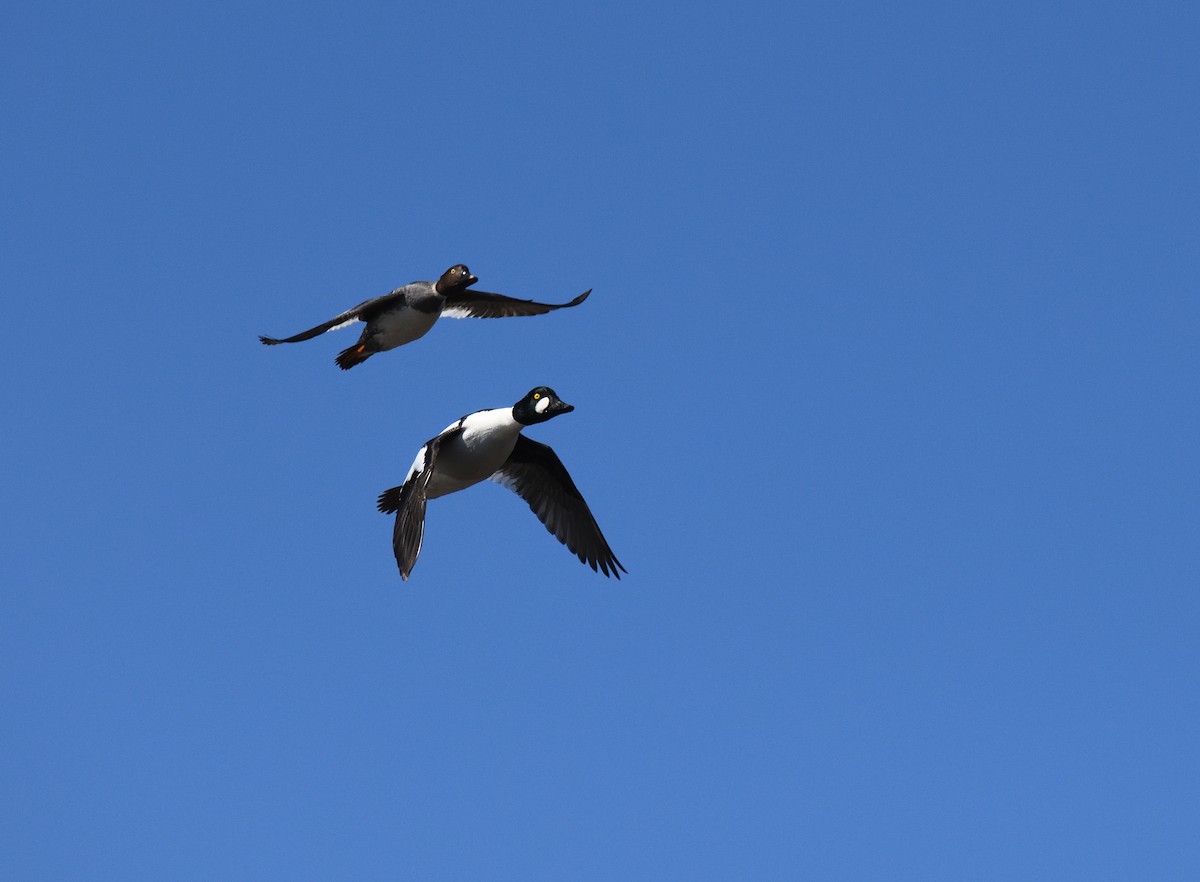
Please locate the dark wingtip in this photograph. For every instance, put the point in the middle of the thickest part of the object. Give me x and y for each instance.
(268, 341)
(608, 566)
(578, 300)
(612, 567)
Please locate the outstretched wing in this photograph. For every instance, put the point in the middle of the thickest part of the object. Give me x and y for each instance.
(408, 503)
(535, 473)
(466, 303)
(360, 313)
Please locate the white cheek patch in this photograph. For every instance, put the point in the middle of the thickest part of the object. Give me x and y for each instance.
(541, 406)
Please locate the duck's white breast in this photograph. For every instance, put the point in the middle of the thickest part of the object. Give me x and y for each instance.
(484, 444)
(403, 325)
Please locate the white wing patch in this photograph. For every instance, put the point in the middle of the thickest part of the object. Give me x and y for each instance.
(455, 311)
(422, 461)
(347, 323)
(419, 463)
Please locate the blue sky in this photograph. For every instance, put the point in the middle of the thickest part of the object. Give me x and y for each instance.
(886, 397)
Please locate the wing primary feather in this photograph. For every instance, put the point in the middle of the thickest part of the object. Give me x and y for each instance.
(536, 474)
(469, 303)
(408, 503)
(358, 313)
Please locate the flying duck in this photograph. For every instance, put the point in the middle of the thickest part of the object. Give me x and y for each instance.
(488, 444)
(410, 311)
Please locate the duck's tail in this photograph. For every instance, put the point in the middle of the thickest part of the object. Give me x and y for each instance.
(356, 354)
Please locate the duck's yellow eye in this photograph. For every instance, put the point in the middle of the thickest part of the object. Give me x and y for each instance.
(537, 395)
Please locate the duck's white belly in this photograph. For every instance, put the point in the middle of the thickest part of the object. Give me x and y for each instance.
(402, 326)
(473, 455)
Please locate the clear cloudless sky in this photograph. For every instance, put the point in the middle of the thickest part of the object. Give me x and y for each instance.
(886, 396)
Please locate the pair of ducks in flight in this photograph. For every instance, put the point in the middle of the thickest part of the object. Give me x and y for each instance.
(484, 445)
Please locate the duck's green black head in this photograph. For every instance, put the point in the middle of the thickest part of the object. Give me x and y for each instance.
(458, 276)
(539, 405)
